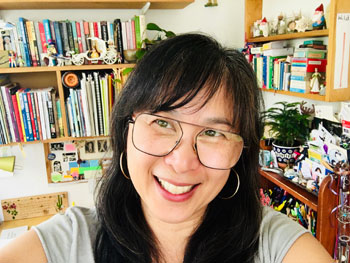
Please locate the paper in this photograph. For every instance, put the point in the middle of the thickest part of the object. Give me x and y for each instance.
(341, 68)
(69, 147)
(13, 232)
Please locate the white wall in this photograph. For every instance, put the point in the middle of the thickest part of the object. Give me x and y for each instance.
(225, 23)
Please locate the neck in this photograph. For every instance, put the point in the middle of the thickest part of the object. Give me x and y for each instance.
(172, 238)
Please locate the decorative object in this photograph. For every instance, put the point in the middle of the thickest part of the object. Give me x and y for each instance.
(318, 19)
(302, 24)
(10, 209)
(288, 127)
(211, 3)
(59, 204)
(315, 82)
(7, 163)
(281, 25)
(264, 27)
(130, 55)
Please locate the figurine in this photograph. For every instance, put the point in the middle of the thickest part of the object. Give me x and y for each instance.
(315, 82)
(318, 19)
(51, 54)
(281, 25)
(211, 3)
(302, 24)
(264, 27)
(20, 61)
(12, 59)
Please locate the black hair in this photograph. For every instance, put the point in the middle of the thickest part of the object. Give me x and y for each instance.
(168, 77)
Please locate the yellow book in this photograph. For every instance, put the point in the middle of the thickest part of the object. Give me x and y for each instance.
(21, 116)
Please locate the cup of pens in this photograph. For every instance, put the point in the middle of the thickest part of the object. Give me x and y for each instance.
(343, 241)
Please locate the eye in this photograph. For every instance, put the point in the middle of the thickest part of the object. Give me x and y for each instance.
(212, 133)
(163, 123)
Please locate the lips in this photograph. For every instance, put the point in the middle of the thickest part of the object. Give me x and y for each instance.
(174, 189)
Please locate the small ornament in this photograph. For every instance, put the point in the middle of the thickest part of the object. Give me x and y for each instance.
(211, 3)
(318, 19)
(315, 82)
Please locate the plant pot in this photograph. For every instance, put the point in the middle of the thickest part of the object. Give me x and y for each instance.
(266, 144)
(284, 154)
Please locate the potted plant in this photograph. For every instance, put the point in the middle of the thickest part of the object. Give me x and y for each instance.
(289, 128)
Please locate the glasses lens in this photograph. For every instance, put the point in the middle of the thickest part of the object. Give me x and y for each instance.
(156, 135)
(219, 149)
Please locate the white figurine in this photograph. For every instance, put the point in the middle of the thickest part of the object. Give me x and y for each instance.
(315, 82)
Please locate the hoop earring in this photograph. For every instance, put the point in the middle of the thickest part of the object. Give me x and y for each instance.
(121, 165)
(238, 184)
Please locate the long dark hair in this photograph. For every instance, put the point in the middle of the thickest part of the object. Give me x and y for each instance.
(168, 77)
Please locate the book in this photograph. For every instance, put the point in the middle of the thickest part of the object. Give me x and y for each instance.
(31, 115)
(53, 34)
(59, 118)
(54, 110)
(79, 37)
(85, 104)
(104, 30)
(279, 52)
(75, 37)
(47, 30)
(41, 114)
(83, 40)
(89, 86)
(119, 38)
(42, 37)
(59, 42)
(70, 36)
(70, 117)
(25, 42)
(31, 43)
(26, 115)
(273, 45)
(309, 53)
(35, 115)
(20, 107)
(98, 103)
(38, 43)
(50, 110)
(6, 115)
(309, 64)
(16, 111)
(66, 47)
(87, 35)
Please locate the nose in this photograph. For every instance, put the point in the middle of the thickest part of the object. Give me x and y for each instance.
(184, 157)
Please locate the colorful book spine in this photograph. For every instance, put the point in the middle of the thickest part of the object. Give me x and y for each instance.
(7, 114)
(53, 133)
(119, 38)
(26, 116)
(80, 43)
(31, 114)
(42, 37)
(11, 110)
(138, 32)
(70, 36)
(65, 38)
(87, 35)
(52, 29)
(18, 118)
(38, 42)
(31, 43)
(59, 43)
(38, 115)
(25, 41)
(20, 110)
(42, 115)
(82, 33)
(75, 37)
(35, 115)
(47, 30)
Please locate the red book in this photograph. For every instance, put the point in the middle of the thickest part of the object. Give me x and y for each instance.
(31, 115)
(42, 37)
(18, 118)
(96, 30)
(80, 44)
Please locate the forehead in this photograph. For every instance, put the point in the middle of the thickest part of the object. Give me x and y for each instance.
(218, 106)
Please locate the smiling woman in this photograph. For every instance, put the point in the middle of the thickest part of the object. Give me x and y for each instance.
(183, 182)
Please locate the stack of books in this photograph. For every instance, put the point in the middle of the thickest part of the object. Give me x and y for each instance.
(306, 60)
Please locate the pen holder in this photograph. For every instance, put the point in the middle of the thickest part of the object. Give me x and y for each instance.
(7, 163)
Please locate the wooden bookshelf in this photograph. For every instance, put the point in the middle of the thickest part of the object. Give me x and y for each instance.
(92, 4)
(296, 94)
(299, 193)
(307, 34)
(322, 204)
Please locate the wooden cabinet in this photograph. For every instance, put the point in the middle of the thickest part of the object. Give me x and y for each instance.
(322, 204)
(253, 12)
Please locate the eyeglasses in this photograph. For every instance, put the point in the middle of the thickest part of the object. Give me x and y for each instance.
(158, 136)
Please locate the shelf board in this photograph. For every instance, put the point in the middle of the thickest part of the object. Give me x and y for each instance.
(61, 139)
(92, 4)
(307, 34)
(299, 193)
(297, 94)
(64, 68)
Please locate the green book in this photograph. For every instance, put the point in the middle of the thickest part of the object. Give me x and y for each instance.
(138, 32)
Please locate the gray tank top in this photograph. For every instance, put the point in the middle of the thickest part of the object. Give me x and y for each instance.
(69, 238)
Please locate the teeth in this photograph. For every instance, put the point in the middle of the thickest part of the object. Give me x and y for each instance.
(176, 190)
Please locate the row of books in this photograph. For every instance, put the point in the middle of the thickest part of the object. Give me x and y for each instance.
(29, 39)
(285, 68)
(29, 115)
(89, 107)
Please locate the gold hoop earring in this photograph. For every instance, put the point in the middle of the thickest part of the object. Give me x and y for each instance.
(238, 184)
(121, 165)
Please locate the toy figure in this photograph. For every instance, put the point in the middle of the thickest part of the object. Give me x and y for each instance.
(12, 59)
(264, 27)
(20, 61)
(318, 19)
(315, 82)
(51, 54)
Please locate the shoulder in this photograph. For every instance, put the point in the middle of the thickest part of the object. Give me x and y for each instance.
(277, 235)
(74, 229)
(284, 240)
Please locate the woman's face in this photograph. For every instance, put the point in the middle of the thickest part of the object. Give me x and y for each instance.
(159, 180)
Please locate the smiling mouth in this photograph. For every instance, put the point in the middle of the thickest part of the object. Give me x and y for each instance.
(174, 189)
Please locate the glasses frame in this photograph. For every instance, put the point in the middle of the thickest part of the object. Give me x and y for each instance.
(133, 121)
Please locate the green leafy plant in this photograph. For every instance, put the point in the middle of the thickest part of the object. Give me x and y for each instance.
(59, 204)
(162, 34)
(287, 125)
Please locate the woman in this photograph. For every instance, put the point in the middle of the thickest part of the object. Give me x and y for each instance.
(183, 186)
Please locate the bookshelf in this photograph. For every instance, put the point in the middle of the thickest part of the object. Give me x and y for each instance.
(94, 4)
(336, 6)
(326, 200)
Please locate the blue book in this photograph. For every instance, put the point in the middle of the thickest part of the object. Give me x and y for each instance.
(46, 23)
(301, 78)
(59, 43)
(24, 34)
(264, 71)
(26, 116)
